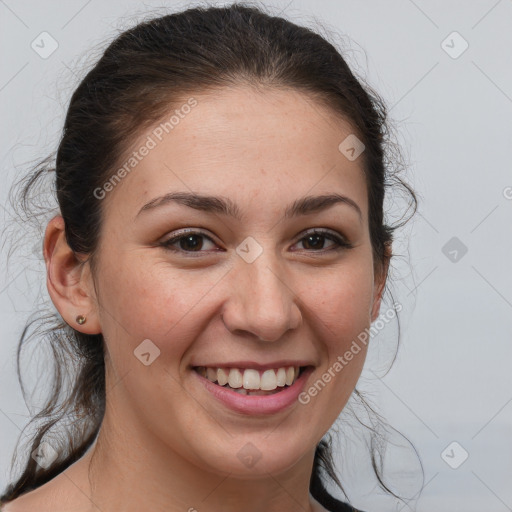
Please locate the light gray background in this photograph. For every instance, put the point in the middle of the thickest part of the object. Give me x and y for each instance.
(452, 379)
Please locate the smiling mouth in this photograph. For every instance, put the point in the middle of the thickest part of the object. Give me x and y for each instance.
(252, 382)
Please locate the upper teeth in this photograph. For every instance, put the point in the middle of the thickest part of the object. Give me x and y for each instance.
(251, 379)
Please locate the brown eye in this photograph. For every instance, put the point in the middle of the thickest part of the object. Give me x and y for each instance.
(190, 241)
(314, 241)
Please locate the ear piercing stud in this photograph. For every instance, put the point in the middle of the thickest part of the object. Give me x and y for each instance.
(80, 319)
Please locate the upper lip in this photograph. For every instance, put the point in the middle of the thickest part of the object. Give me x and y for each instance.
(256, 366)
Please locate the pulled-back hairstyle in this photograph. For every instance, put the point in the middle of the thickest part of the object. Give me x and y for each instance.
(143, 74)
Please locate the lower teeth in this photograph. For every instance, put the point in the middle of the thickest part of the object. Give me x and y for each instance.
(256, 392)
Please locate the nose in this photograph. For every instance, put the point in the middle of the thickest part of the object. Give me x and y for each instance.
(262, 301)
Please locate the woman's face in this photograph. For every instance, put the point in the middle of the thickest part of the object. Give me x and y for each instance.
(251, 291)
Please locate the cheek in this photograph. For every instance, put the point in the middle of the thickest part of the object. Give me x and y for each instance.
(341, 312)
(342, 302)
(146, 300)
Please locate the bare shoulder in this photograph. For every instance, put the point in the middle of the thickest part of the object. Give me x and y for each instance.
(31, 501)
(58, 495)
(22, 503)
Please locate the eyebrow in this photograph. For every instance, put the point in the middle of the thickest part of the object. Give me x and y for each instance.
(211, 204)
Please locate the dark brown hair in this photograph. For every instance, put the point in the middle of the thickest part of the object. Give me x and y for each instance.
(142, 74)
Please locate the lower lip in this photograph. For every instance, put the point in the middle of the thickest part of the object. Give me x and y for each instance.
(262, 404)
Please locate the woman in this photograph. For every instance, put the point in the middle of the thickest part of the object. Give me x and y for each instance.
(220, 249)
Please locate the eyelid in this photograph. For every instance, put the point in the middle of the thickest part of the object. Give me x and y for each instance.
(320, 231)
(187, 231)
(181, 233)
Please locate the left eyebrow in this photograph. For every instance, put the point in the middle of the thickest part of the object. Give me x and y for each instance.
(313, 204)
(211, 204)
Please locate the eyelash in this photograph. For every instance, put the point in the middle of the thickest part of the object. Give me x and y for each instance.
(341, 242)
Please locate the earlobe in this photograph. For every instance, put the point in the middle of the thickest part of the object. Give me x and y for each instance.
(69, 280)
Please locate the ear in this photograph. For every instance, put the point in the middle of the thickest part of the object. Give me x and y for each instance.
(69, 280)
(380, 283)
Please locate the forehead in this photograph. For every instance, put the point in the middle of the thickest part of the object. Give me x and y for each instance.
(270, 144)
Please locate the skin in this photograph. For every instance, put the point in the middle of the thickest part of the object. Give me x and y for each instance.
(165, 443)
